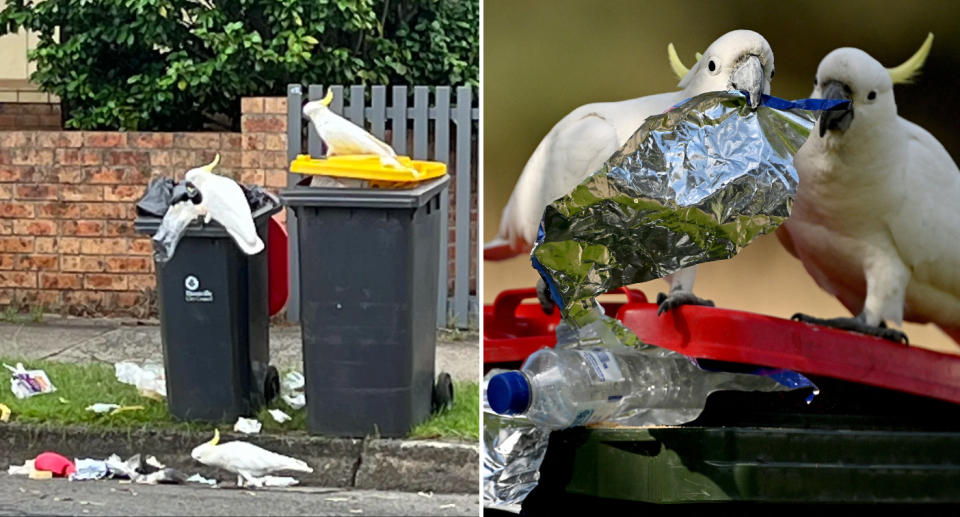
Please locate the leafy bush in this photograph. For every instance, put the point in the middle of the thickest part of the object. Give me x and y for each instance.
(171, 64)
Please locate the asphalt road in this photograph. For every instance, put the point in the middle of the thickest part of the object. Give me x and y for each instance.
(22, 496)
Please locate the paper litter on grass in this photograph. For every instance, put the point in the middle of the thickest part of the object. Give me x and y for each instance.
(27, 383)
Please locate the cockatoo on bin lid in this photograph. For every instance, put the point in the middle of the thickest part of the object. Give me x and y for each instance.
(876, 220)
(247, 461)
(224, 201)
(344, 137)
(583, 140)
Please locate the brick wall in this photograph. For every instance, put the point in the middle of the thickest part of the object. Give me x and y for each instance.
(67, 206)
(29, 116)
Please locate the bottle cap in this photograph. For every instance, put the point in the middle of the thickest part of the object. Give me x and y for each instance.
(508, 393)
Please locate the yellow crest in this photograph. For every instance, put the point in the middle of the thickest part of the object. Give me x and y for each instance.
(328, 98)
(216, 437)
(905, 73)
(209, 167)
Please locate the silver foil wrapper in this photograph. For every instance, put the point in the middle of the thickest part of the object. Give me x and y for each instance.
(693, 185)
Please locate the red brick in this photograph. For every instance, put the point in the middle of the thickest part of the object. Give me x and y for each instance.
(6, 227)
(275, 105)
(105, 139)
(252, 159)
(36, 192)
(6, 262)
(45, 245)
(6, 192)
(28, 121)
(184, 159)
(127, 300)
(127, 158)
(73, 298)
(103, 210)
(81, 264)
(82, 228)
(79, 157)
(37, 262)
(48, 298)
(123, 193)
(129, 264)
(254, 142)
(104, 246)
(8, 122)
(69, 174)
(251, 105)
(16, 210)
(106, 282)
(120, 229)
(150, 140)
(230, 159)
(16, 244)
(230, 141)
(60, 281)
(8, 174)
(81, 193)
(251, 177)
(141, 282)
(39, 174)
(104, 175)
(6, 295)
(273, 160)
(276, 178)
(12, 139)
(68, 246)
(58, 210)
(264, 123)
(141, 246)
(56, 139)
(277, 142)
(33, 157)
(196, 140)
(18, 279)
(161, 158)
(140, 175)
(35, 227)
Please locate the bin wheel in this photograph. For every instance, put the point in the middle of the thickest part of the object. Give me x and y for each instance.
(271, 384)
(443, 393)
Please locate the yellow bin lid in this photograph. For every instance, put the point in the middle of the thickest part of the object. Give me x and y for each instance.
(369, 168)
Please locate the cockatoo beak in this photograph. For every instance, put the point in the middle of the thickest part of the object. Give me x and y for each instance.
(835, 120)
(749, 77)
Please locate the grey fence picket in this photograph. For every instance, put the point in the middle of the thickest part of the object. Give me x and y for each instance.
(457, 309)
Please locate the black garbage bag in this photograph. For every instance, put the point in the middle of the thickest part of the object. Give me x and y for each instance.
(162, 193)
(256, 197)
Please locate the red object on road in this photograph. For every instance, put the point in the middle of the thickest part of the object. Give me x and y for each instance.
(513, 330)
(53, 462)
(278, 265)
(743, 337)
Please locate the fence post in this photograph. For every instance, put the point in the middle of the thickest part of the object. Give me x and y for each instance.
(442, 154)
(464, 140)
(294, 130)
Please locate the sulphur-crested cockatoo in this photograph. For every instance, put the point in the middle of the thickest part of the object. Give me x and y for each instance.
(224, 201)
(249, 462)
(583, 140)
(344, 137)
(876, 221)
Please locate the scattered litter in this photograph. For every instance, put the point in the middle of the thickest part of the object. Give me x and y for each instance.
(5, 413)
(445, 506)
(163, 477)
(291, 390)
(149, 380)
(152, 461)
(53, 462)
(197, 478)
(125, 469)
(90, 469)
(358, 510)
(40, 474)
(277, 415)
(428, 495)
(21, 470)
(22, 490)
(102, 408)
(63, 400)
(251, 493)
(121, 409)
(90, 503)
(338, 499)
(25, 384)
(247, 425)
(274, 481)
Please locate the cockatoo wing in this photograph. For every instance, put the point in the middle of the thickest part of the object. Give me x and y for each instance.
(246, 457)
(225, 202)
(926, 231)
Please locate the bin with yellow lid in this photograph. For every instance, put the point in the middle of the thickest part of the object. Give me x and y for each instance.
(370, 169)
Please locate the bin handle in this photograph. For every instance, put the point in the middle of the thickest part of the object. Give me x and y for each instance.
(506, 303)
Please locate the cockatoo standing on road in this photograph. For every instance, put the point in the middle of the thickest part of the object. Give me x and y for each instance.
(247, 461)
(876, 220)
(344, 137)
(583, 140)
(224, 201)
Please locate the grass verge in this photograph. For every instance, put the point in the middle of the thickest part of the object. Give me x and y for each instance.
(82, 385)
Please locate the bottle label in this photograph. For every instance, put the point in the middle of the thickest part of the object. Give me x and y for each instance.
(600, 412)
(603, 364)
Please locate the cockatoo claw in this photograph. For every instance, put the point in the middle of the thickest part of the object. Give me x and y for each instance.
(543, 294)
(856, 325)
(677, 298)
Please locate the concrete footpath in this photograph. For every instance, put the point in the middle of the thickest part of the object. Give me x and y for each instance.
(371, 464)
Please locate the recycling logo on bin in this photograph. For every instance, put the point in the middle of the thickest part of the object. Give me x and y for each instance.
(193, 294)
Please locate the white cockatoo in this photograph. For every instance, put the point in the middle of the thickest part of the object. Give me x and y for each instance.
(223, 201)
(583, 140)
(876, 221)
(344, 137)
(249, 462)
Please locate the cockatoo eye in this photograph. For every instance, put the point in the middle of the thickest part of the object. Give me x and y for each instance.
(815, 80)
(872, 95)
(712, 66)
(772, 72)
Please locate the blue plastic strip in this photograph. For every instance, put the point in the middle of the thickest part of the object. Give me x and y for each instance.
(790, 379)
(777, 103)
(554, 292)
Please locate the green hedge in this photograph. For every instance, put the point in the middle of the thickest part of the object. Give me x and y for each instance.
(171, 64)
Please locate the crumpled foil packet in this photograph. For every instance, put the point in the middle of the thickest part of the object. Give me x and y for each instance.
(695, 184)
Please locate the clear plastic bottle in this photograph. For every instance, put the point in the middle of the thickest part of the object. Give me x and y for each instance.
(561, 388)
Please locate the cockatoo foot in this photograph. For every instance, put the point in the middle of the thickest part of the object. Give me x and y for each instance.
(857, 324)
(543, 294)
(677, 298)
